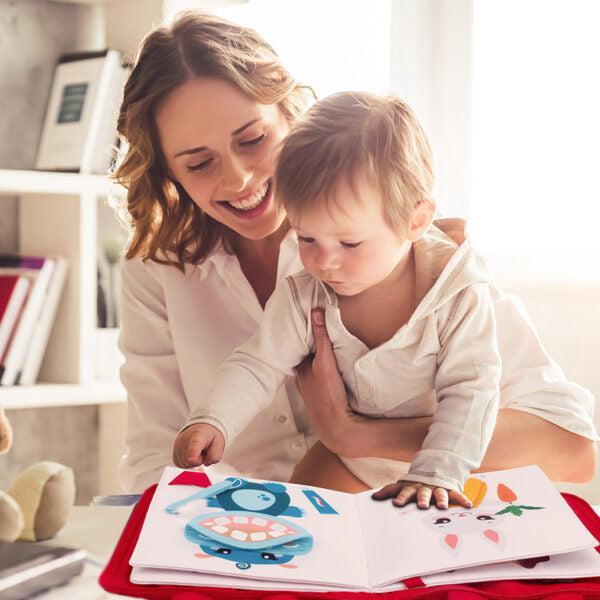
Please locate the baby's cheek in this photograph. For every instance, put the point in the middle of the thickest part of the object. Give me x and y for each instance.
(305, 258)
(367, 269)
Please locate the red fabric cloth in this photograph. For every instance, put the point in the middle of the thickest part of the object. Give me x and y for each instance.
(115, 577)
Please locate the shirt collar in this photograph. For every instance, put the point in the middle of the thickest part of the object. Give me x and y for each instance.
(329, 293)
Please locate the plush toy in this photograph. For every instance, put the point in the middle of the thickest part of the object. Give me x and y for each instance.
(37, 504)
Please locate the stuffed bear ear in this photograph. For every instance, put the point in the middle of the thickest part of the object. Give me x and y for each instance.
(11, 518)
(5, 433)
(45, 492)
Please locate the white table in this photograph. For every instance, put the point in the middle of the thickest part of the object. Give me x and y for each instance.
(96, 529)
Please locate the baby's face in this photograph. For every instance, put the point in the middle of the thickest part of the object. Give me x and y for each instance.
(346, 242)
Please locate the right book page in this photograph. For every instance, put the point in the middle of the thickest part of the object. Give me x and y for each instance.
(517, 514)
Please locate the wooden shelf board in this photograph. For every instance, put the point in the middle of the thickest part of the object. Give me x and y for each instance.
(16, 182)
(66, 394)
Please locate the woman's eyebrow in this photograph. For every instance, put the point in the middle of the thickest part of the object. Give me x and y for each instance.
(202, 148)
(190, 151)
(243, 127)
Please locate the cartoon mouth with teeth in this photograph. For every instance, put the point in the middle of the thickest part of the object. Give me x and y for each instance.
(248, 538)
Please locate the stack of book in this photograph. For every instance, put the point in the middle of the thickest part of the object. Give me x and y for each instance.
(30, 293)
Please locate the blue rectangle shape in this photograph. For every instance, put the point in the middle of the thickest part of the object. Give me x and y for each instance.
(319, 503)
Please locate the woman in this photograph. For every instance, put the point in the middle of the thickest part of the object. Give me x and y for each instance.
(204, 109)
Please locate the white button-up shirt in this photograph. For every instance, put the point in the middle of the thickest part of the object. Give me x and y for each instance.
(443, 362)
(177, 329)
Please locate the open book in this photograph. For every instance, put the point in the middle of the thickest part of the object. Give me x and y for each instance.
(247, 533)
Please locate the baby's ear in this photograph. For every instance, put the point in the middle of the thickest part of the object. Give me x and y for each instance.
(421, 219)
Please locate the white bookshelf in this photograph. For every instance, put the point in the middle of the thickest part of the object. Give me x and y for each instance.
(58, 215)
(45, 395)
(17, 182)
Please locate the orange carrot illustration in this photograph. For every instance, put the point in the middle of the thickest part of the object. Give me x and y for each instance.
(505, 494)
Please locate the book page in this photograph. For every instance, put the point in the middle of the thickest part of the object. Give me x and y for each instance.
(560, 567)
(171, 577)
(517, 514)
(584, 563)
(328, 549)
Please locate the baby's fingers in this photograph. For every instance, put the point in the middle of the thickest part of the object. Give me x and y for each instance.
(441, 498)
(195, 448)
(214, 451)
(460, 499)
(387, 491)
(424, 496)
(179, 451)
(405, 495)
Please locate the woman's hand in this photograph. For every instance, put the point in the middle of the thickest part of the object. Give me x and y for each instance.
(322, 389)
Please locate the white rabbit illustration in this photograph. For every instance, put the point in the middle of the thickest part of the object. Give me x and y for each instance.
(457, 523)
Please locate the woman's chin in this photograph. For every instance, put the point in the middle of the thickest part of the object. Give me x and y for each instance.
(260, 228)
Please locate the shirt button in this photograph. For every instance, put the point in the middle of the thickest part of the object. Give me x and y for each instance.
(282, 419)
(296, 445)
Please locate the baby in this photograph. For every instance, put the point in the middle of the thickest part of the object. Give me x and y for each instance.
(407, 301)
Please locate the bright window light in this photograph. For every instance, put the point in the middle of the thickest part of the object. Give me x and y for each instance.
(536, 127)
(331, 45)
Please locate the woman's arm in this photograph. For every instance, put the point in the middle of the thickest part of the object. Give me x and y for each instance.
(156, 403)
(520, 438)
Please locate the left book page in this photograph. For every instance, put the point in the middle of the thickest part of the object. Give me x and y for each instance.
(316, 534)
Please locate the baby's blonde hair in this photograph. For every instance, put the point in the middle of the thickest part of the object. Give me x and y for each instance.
(350, 135)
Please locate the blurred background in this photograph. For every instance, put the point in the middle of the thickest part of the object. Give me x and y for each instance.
(505, 89)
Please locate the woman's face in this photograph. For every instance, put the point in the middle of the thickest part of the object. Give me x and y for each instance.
(221, 146)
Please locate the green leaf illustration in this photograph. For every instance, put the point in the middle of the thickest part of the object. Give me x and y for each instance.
(518, 510)
(504, 510)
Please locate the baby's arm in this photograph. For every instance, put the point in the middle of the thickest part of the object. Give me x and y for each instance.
(246, 382)
(467, 387)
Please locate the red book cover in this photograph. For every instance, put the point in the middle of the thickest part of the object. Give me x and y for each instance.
(38, 270)
(13, 295)
(116, 576)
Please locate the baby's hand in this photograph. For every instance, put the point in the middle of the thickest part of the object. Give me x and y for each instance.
(406, 491)
(199, 444)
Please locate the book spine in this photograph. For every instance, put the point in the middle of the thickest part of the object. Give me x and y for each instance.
(43, 327)
(12, 312)
(14, 261)
(18, 347)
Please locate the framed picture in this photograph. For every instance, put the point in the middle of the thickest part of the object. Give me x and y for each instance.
(80, 124)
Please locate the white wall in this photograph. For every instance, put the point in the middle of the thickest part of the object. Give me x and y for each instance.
(568, 320)
(432, 68)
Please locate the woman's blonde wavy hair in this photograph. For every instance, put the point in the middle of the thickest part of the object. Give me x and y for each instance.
(166, 225)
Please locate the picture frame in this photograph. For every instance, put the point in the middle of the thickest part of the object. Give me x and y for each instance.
(80, 123)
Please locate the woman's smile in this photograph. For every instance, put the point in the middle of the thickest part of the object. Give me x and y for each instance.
(253, 205)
